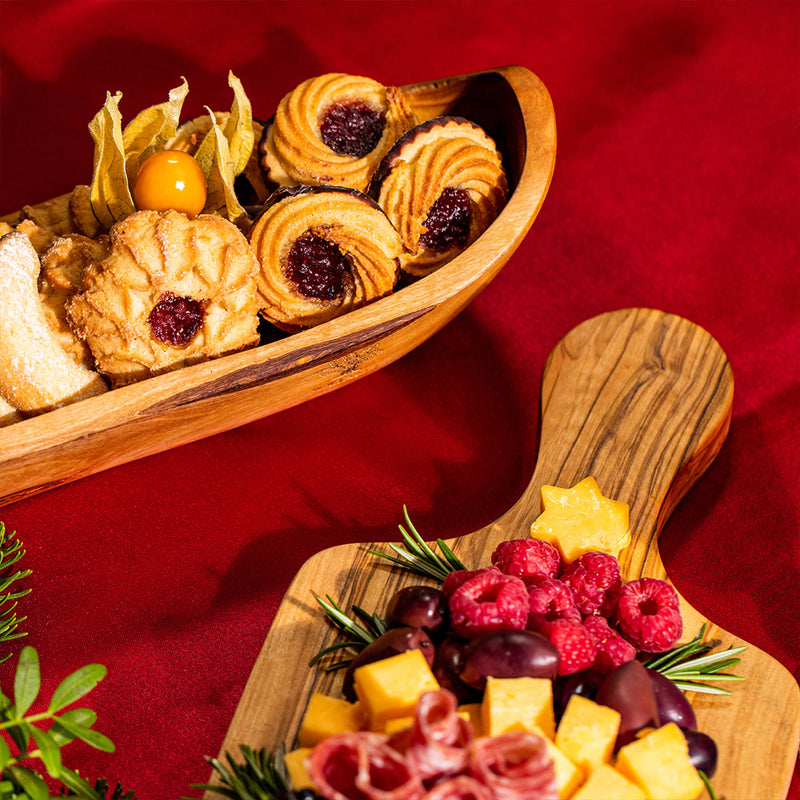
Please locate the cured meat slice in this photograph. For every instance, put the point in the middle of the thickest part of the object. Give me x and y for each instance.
(462, 787)
(515, 766)
(438, 744)
(361, 766)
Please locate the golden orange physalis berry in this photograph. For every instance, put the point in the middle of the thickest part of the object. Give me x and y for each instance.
(170, 179)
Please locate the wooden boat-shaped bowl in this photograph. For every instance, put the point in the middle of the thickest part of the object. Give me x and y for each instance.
(162, 412)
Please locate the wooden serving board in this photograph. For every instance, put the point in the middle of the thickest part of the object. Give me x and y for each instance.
(640, 400)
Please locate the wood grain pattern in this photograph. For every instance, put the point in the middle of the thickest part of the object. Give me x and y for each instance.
(163, 412)
(639, 399)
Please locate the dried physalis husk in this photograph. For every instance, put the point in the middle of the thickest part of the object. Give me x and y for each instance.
(442, 184)
(323, 252)
(310, 138)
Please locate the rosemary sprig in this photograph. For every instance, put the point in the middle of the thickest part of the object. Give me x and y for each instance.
(10, 553)
(262, 776)
(360, 635)
(418, 556)
(691, 665)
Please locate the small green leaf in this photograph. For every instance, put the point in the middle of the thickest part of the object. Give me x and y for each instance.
(49, 751)
(84, 717)
(75, 686)
(33, 785)
(79, 786)
(26, 681)
(5, 754)
(88, 735)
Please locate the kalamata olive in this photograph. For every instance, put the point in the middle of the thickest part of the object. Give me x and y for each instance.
(584, 683)
(702, 751)
(672, 703)
(509, 654)
(628, 689)
(447, 666)
(394, 641)
(419, 607)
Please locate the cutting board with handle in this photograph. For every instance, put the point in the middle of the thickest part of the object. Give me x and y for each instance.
(640, 400)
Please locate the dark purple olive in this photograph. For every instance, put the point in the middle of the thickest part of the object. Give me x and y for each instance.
(584, 683)
(419, 607)
(391, 643)
(672, 703)
(702, 751)
(509, 654)
(628, 689)
(447, 666)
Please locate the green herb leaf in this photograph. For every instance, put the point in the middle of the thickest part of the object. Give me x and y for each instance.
(27, 680)
(88, 735)
(75, 686)
(32, 784)
(49, 751)
(83, 717)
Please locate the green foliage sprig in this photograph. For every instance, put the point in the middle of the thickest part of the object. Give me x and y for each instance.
(261, 776)
(10, 553)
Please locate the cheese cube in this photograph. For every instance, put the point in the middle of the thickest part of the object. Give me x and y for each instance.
(472, 713)
(605, 783)
(659, 763)
(296, 767)
(568, 776)
(326, 716)
(587, 732)
(513, 703)
(390, 688)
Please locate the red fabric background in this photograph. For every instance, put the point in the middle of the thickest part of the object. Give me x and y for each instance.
(677, 186)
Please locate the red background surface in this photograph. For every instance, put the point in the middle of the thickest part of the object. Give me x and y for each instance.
(677, 186)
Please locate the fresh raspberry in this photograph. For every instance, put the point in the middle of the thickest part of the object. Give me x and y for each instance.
(595, 581)
(575, 645)
(532, 560)
(550, 600)
(459, 576)
(612, 649)
(649, 615)
(486, 602)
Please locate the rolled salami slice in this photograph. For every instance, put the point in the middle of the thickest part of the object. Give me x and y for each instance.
(361, 766)
(462, 787)
(438, 744)
(515, 766)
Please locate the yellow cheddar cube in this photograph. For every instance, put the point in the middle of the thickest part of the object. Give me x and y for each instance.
(296, 767)
(568, 776)
(391, 687)
(587, 733)
(580, 519)
(513, 703)
(472, 713)
(659, 763)
(605, 783)
(326, 716)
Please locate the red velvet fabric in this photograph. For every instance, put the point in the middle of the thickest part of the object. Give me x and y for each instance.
(677, 187)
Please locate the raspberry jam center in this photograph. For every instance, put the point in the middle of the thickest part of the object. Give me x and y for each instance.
(317, 267)
(352, 129)
(448, 221)
(175, 320)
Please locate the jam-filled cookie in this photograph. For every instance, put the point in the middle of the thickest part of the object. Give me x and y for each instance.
(332, 130)
(172, 291)
(441, 185)
(323, 252)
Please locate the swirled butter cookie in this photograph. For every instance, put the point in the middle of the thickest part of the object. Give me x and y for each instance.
(323, 251)
(332, 130)
(172, 291)
(441, 184)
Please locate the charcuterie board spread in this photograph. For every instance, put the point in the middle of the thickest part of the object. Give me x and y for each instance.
(147, 325)
(638, 399)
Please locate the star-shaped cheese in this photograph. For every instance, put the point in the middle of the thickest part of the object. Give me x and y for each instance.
(580, 519)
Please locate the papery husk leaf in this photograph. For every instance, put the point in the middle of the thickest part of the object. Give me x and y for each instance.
(151, 129)
(239, 126)
(221, 197)
(110, 192)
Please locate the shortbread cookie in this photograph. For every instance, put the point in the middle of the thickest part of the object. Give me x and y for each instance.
(333, 130)
(61, 277)
(8, 414)
(323, 251)
(36, 375)
(442, 184)
(172, 291)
